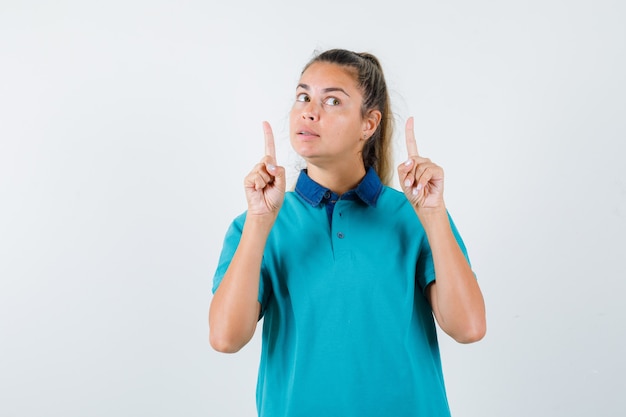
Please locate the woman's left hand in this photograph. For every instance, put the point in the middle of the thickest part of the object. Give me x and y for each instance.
(420, 179)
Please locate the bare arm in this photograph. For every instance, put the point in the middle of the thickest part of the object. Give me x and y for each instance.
(455, 296)
(235, 309)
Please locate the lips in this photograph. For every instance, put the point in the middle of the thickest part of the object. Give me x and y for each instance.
(303, 131)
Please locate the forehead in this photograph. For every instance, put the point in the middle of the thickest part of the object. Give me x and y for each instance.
(326, 74)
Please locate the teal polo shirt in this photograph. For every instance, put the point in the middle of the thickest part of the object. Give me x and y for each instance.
(347, 329)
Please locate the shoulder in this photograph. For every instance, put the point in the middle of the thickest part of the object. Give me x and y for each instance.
(391, 193)
(393, 199)
(294, 203)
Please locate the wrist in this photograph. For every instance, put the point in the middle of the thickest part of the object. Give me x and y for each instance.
(431, 217)
(260, 223)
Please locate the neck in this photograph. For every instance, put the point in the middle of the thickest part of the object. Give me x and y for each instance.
(339, 179)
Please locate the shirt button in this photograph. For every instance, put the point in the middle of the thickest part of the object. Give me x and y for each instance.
(327, 195)
(340, 235)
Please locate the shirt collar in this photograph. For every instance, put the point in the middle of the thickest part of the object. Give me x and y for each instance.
(368, 190)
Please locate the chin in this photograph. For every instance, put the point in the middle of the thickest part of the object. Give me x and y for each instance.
(303, 149)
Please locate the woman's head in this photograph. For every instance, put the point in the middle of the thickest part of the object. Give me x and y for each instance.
(361, 104)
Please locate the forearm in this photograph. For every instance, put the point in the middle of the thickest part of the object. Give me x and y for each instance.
(234, 310)
(455, 296)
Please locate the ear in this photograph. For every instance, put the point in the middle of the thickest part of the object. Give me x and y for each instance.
(371, 122)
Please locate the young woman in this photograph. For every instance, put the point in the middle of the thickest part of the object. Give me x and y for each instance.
(347, 271)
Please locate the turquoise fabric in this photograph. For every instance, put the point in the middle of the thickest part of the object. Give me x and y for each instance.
(347, 329)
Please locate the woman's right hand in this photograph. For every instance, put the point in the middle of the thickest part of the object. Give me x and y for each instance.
(265, 184)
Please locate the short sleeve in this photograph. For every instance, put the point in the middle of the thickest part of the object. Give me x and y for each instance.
(231, 242)
(425, 271)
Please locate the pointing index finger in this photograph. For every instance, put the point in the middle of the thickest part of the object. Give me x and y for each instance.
(411, 143)
(269, 141)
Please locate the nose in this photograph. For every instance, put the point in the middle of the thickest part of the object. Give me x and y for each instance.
(310, 112)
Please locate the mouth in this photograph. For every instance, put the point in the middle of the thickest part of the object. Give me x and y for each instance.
(307, 133)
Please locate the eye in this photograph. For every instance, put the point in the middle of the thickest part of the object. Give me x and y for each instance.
(332, 101)
(303, 97)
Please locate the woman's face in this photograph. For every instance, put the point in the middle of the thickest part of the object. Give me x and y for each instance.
(325, 120)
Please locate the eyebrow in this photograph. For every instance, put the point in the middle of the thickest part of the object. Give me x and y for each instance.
(325, 90)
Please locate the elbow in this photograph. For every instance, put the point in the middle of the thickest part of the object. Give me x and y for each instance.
(224, 347)
(226, 339)
(472, 333)
(223, 334)
(224, 344)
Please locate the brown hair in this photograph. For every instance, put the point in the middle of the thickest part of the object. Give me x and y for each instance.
(377, 151)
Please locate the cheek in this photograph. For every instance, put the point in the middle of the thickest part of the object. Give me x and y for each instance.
(293, 119)
(351, 128)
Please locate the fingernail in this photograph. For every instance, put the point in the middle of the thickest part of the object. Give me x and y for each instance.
(415, 190)
(271, 167)
(419, 187)
(407, 182)
(408, 162)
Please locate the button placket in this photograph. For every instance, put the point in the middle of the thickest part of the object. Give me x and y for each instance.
(339, 224)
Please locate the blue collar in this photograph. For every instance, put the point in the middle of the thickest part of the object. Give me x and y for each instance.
(367, 191)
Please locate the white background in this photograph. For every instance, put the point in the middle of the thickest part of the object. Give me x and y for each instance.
(126, 128)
